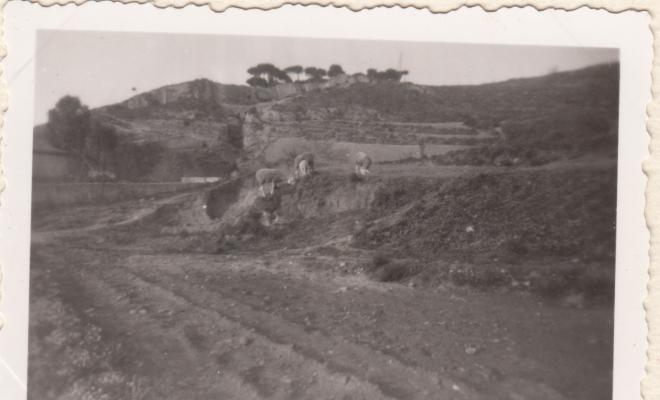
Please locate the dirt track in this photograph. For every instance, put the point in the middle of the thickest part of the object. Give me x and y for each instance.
(132, 321)
(278, 326)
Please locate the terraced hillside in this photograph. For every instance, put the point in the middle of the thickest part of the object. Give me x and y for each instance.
(203, 128)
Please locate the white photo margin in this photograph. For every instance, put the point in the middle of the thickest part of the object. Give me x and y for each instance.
(628, 31)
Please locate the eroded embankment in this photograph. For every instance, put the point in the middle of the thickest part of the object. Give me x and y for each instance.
(548, 213)
(550, 231)
(531, 213)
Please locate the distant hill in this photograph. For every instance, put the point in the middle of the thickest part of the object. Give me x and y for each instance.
(571, 113)
(203, 127)
(593, 87)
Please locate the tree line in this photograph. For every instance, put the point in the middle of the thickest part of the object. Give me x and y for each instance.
(268, 75)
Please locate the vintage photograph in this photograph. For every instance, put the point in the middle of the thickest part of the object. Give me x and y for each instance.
(261, 217)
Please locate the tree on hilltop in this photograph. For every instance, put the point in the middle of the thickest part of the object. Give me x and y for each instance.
(294, 69)
(280, 76)
(257, 81)
(268, 73)
(310, 72)
(335, 70)
(389, 74)
(268, 70)
(255, 71)
(71, 128)
(68, 124)
(315, 74)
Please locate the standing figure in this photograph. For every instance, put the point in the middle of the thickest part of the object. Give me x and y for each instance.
(267, 181)
(362, 164)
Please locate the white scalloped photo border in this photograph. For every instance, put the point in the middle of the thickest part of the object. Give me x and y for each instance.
(651, 166)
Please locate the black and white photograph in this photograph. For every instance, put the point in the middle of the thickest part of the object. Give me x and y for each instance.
(226, 216)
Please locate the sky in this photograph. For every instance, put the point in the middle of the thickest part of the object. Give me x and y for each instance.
(103, 67)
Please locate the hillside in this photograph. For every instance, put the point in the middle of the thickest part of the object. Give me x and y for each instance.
(590, 94)
(207, 128)
(593, 87)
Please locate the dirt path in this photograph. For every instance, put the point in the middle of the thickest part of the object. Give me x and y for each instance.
(114, 316)
(282, 325)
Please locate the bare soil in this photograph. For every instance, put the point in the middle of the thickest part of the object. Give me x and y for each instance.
(122, 309)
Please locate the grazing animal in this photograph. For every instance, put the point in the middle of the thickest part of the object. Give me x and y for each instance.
(303, 165)
(362, 164)
(267, 180)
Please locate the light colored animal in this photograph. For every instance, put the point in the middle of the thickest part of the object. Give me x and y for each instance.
(303, 165)
(304, 168)
(362, 164)
(267, 181)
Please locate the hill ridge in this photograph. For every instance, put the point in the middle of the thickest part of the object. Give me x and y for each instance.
(283, 90)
